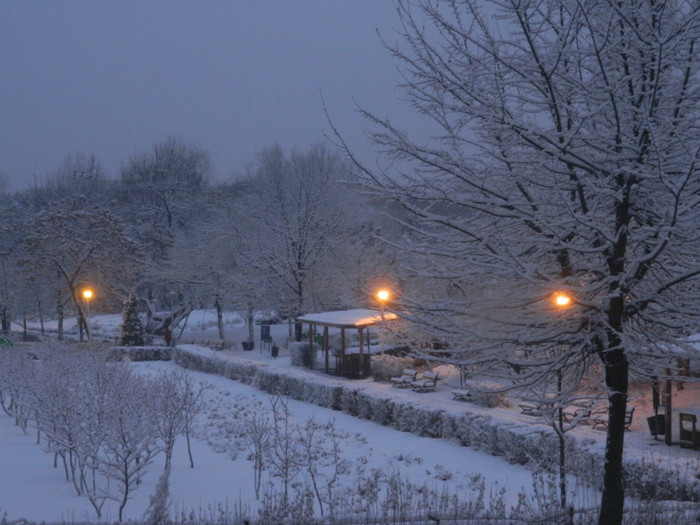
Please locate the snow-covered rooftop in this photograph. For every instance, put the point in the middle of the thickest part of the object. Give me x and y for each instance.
(357, 318)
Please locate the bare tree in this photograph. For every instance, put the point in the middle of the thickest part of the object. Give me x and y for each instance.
(132, 442)
(83, 243)
(564, 157)
(300, 215)
(162, 196)
(177, 398)
(162, 187)
(284, 452)
(80, 175)
(257, 434)
(10, 238)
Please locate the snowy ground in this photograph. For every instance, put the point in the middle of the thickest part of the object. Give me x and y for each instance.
(31, 488)
(34, 490)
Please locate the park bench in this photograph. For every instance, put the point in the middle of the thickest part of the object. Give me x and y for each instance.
(461, 394)
(407, 377)
(584, 414)
(688, 433)
(600, 418)
(529, 408)
(426, 383)
(216, 344)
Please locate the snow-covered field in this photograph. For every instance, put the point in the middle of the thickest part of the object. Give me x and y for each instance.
(222, 479)
(34, 490)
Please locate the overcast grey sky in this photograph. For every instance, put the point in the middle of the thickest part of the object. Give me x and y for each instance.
(114, 77)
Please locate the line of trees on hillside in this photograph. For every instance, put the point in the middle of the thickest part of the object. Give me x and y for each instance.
(290, 236)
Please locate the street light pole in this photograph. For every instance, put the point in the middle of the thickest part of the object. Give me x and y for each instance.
(87, 295)
(382, 296)
(561, 300)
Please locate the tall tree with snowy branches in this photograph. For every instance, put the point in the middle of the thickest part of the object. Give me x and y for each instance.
(299, 217)
(83, 243)
(564, 157)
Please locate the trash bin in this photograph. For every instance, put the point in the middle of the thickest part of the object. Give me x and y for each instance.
(657, 425)
(275, 350)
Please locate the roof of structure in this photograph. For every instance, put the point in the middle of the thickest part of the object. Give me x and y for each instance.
(358, 318)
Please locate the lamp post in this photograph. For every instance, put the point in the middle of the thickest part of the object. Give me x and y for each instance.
(383, 296)
(561, 300)
(87, 295)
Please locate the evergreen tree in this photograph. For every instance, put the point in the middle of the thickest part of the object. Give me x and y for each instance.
(132, 328)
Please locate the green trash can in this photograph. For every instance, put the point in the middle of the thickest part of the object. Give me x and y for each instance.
(657, 425)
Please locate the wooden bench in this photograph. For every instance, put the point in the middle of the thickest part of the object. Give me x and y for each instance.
(461, 394)
(687, 431)
(583, 414)
(217, 344)
(600, 418)
(408, 376)
(426, 383)
(529, 408)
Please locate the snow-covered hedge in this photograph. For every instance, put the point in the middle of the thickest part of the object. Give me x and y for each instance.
(139, 353)
(518, 443)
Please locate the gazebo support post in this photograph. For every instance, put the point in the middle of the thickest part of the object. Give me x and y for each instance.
(362, 351)
(342, 351)
(312, 329)
(668, 410)
(325, 345)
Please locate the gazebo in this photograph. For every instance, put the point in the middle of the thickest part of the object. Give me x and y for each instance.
(349, 364)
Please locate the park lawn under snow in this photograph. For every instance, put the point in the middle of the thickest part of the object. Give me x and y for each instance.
(34, 490)
(31, 488)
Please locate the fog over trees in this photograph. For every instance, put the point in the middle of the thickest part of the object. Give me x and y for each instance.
(274, 239)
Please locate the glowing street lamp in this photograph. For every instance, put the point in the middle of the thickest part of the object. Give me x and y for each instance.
(562, 299)
(87, 295)
(382, 296)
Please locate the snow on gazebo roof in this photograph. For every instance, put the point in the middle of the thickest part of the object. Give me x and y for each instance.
(358, 318)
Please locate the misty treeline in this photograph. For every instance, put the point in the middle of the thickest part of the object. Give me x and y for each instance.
(104, 424)
(290, 235)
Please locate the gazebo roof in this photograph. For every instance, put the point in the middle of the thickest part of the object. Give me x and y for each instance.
(358, 318)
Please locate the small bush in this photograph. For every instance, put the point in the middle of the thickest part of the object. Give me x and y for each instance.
(386, 366)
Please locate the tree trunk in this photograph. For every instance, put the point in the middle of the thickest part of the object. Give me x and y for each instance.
(5, 321)
(41, 316)
(219, 318)
(251, 323)
(616, 380)
(59, 314)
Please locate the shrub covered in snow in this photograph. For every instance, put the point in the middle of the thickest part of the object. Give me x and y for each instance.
(139, 353)
(485, 393)
(386, 366)
(518, 443)
(301, 355)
